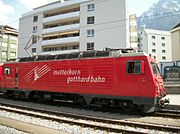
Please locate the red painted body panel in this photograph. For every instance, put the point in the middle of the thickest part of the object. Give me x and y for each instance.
(8, 81)
(100, 76)
(1, 71)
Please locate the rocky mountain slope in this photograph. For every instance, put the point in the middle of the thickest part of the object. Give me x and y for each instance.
(163, 15)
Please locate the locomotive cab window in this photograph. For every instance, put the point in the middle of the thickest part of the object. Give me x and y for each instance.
(134, 67)
(6, 70)
(155, 68)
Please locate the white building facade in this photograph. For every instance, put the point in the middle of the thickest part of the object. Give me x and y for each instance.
(175, 40)
(74, 25)
(156, 43)
(133, 31)
(8, 43)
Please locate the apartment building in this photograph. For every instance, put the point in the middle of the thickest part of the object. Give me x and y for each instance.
(156, 43)
(74, 25)
(175, 40)
(133, 31)
(8, 43)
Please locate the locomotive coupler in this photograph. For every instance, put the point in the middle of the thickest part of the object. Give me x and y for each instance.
(163, 102)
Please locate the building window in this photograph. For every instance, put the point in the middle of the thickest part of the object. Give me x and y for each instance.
(153, 43)
(163, 44)
(153, 50)
(4, 53)
(60, 48)
(90, 33)
(91, 7)
(163, 51)
(90, 46)
(5, 44)
(50, 49)
(163, 38)
(35, 18)
(34, 29)
(164, 58)
(76, 47)
(34, 40)
(33, 50)
(90, 20)
(6, 70)
(153, 37)
(13, 54)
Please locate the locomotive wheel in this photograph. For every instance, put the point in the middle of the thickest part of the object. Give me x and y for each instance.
(127, 106)
(22, 95)
(80, 100)
(32, 96)
(9, 94)
(40, 96)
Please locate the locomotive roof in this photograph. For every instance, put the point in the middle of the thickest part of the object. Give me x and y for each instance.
(81, 55)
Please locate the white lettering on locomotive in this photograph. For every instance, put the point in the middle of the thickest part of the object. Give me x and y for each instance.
(74, 76)
(67, 72)
(89, 79)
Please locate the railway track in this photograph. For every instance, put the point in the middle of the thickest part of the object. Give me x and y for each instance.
(168, 113)
(110, 125)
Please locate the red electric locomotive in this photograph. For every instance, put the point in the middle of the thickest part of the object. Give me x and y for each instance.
(89, 78)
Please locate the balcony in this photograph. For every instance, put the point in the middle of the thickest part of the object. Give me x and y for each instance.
(59, 52)
(60, 41)
(61, 29)
(61, 17)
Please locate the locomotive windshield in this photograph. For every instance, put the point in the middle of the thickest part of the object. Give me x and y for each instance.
(155, 68)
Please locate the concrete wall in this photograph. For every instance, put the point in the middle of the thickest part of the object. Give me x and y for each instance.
(175, 45)
(26, 25)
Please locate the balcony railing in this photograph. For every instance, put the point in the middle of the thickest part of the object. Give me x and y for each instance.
(60, 52)
(61, 41)
(61, 29)
(61, 17)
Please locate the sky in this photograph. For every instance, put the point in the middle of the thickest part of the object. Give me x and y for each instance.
(11, 10)
(139, 6)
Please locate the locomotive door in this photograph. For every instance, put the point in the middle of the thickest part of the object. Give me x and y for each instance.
(136, 78)
(16, 78)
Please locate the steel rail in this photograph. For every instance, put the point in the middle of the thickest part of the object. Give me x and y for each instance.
(168, 114)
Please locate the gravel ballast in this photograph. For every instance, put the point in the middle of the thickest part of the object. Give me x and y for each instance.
(73, 129)
(8, 130)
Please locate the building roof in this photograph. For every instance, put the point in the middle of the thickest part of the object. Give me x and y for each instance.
(8, 30)
(47, 4)
(53, 6)
(176, 28)
(157, 32)
(178, 25)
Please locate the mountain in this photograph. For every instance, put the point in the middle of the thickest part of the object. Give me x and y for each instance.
(163, 15)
